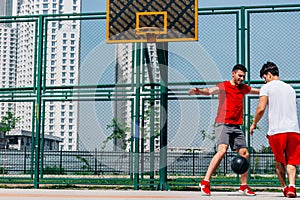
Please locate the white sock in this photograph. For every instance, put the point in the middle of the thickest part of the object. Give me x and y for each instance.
(292, 185)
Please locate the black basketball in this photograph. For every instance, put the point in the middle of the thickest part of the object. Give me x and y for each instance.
(239, 164)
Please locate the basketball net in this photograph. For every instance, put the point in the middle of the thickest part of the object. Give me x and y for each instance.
(150, 32)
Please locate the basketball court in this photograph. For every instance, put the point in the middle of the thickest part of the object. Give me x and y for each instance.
(29, 194)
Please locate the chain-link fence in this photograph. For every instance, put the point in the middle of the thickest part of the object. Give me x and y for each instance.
(92, 113)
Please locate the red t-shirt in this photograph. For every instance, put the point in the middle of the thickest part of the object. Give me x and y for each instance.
(230, 110)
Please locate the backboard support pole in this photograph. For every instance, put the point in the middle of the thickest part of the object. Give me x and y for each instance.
(162, 54)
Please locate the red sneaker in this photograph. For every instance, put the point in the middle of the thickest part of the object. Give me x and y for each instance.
(205, 187)
(285, 191)
(245, 189)
(291, 192)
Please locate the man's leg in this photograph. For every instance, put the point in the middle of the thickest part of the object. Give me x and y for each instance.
(214, 164)
(244, 153)
(244, 188)
(281, 171)
(216, 160)
(291, 172)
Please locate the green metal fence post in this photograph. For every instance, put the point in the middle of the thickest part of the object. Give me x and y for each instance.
(38, 103)
(131, 166)
(243, 46)
(151, 80)
(137, 50)
(243, 62)
(162, 54)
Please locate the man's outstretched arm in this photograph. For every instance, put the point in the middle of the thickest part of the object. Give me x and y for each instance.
(204, 91)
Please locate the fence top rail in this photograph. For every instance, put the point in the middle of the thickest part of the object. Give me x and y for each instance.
(250, 7)
(55, 15)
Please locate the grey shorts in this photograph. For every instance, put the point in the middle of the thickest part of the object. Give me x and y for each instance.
(231, 135)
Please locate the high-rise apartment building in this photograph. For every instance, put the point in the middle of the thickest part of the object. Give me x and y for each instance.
(7, 60)
(124, 74)
(6, 7)
(8, 55)
(63, 38)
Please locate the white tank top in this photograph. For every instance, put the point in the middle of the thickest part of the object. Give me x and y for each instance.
(282, 109)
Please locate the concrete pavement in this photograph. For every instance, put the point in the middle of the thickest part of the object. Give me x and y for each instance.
(47, 194)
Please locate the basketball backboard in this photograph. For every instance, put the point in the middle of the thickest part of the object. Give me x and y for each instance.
(169, 20)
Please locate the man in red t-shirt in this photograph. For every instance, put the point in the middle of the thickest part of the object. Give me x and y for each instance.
(227, 123)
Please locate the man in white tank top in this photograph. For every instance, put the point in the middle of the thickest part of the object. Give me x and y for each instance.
(283, 133)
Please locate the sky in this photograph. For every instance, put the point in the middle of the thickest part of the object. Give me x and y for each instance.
(210, 52)
(100, 5)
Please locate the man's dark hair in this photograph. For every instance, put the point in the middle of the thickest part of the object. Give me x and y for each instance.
(239, 67)
(269, 67)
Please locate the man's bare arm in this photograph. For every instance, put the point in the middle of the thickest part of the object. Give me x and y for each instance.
(204, 91)
(254, 91)
(261, 107)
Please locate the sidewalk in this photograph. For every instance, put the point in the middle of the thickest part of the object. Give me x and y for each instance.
(32, 194)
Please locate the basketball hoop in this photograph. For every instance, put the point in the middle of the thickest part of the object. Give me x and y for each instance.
(150, 32)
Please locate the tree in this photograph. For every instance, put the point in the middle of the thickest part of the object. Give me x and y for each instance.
(8, 122)
(119, 133)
